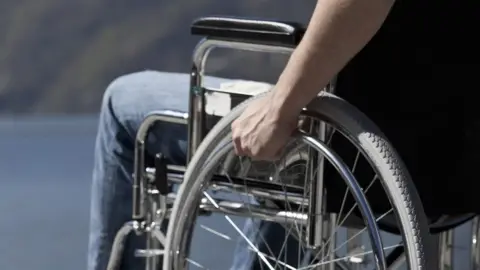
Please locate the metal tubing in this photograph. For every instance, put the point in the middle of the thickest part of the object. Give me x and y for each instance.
(118, 247)
(315, 175)
(139, 184)
(197, 120)
(255, 211)
(446, 250)
(357, 192)
(151, 261)
(475, 245)
(317, 196)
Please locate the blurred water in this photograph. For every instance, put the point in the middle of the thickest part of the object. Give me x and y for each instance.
(45, 170)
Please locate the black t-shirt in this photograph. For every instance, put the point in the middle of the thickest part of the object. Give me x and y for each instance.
(424, 104)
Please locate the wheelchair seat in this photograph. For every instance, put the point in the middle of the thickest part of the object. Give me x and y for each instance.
(265, 32)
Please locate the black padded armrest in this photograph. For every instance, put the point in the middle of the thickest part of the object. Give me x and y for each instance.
(246, 30)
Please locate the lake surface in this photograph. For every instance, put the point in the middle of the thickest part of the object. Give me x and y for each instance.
(45, 171)
(45, 168)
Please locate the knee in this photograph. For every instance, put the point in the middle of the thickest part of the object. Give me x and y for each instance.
(116, 107)
(119, 91)
(129, 98)
(139, 93)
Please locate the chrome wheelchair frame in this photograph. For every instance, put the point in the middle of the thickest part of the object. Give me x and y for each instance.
(151, 188)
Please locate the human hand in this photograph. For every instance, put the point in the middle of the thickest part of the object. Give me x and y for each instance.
(263, 129)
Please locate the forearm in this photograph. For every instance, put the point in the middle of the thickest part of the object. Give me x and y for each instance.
(337, 31)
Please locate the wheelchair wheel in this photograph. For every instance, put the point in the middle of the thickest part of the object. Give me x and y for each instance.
(282, 194)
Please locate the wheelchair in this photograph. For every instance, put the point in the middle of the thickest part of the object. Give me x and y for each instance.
(313, 191)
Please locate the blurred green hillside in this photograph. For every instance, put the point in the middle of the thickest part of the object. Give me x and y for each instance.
(57, 56)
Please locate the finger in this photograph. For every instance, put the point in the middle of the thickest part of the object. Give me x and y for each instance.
(241, 147)
(236, 139)
(237, 145)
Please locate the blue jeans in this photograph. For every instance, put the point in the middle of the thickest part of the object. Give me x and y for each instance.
(126, 102)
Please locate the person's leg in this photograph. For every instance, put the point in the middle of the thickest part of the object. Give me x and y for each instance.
(125, 104)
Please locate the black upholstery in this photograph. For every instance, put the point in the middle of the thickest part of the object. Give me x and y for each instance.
(264, 32)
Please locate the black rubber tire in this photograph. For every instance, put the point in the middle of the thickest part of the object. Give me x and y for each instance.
(365, 134)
